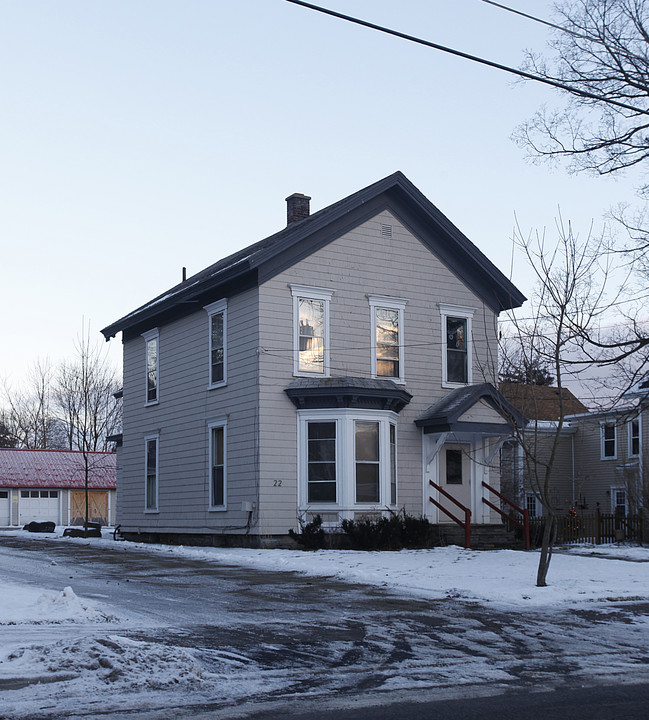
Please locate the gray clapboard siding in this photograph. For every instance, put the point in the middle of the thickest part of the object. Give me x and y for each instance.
(185, 407)
(401, 267)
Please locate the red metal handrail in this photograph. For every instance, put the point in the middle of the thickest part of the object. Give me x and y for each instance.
(466, 525)
(524, 526)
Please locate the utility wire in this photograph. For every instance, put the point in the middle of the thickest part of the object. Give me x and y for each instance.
(525, 15)
(467, 56)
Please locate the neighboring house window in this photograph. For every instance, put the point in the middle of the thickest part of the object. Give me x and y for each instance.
(456, 354)
(151, 473)
(609, 441)
(311, 329)
(387, 333)
(218, 486)
(633, 428)
(217, 315)
(619, 501)
(152, 343)
(532, 505)
(348, 458)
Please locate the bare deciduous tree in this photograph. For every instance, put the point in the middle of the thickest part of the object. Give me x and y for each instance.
(28, 413)
(568, 304)
(84, 396)
(600, 47)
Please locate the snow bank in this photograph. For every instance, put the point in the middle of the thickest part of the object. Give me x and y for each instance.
(24, 604)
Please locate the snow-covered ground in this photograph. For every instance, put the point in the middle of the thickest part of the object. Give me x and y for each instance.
(58, 647)
(578, 573)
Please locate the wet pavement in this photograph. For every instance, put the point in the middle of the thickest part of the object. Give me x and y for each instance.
(320, 638)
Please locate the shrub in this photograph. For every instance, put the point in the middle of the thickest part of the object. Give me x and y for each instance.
(311, 535)
(395, 532)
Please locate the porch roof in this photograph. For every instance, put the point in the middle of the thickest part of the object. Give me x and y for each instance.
(445, 416)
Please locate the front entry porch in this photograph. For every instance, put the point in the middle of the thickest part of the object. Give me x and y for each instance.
(461, 439)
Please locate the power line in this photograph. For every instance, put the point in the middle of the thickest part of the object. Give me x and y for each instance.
(525, 15)
(467, 56)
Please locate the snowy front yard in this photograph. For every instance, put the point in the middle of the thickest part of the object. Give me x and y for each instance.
(72, 635)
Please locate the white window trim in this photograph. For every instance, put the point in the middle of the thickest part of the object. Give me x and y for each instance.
(211, 425)
(215, 308)
(389, 303)
(307, 292)
(345, 458)
(602, 425)
(629, 429)
(147, 438)
(466, 313)
(153, 334)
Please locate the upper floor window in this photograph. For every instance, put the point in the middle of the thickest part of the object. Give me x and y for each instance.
(387, 333)
(311, 329)
(217, 318)
(217, 465)
(633, 428)
(456, 353)
(152, 343)
(609, 441)
(151, 473)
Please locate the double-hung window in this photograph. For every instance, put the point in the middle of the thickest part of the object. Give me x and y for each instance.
(609, 441)
(348, 458)
(633, 429)
(152, 344)
(456, 344)
(387, 337)
(151, 473)
(217, 319)
(217, 465)
(311, 330)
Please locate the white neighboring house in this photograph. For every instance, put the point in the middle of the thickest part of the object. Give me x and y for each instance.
(49, 485)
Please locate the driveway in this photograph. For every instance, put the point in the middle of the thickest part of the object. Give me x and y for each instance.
(247, 642)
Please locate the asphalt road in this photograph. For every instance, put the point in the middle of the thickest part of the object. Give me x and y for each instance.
(350, 651)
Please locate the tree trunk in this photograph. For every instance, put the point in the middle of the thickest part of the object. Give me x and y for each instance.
(549, 535)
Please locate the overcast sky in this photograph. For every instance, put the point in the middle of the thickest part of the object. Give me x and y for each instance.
(141, 136)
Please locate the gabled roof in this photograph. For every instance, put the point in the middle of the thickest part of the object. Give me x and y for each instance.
(56, 469)
(541, 402)
(261, 261)
(445, 416)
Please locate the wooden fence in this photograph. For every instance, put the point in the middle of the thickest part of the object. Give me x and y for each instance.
(596, 527)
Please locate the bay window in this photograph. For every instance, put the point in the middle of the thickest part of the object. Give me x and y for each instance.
(347, 458)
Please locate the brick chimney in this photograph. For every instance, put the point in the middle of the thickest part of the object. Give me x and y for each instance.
(297, 207)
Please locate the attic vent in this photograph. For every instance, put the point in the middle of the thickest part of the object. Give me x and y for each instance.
(386, 231)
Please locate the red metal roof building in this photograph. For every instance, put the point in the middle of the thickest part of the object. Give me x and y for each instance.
(50, 485)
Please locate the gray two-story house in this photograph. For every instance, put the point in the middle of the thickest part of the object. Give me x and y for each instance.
(337, 367)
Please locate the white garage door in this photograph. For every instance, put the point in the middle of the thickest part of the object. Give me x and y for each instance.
(5, 518)
(39, 505)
